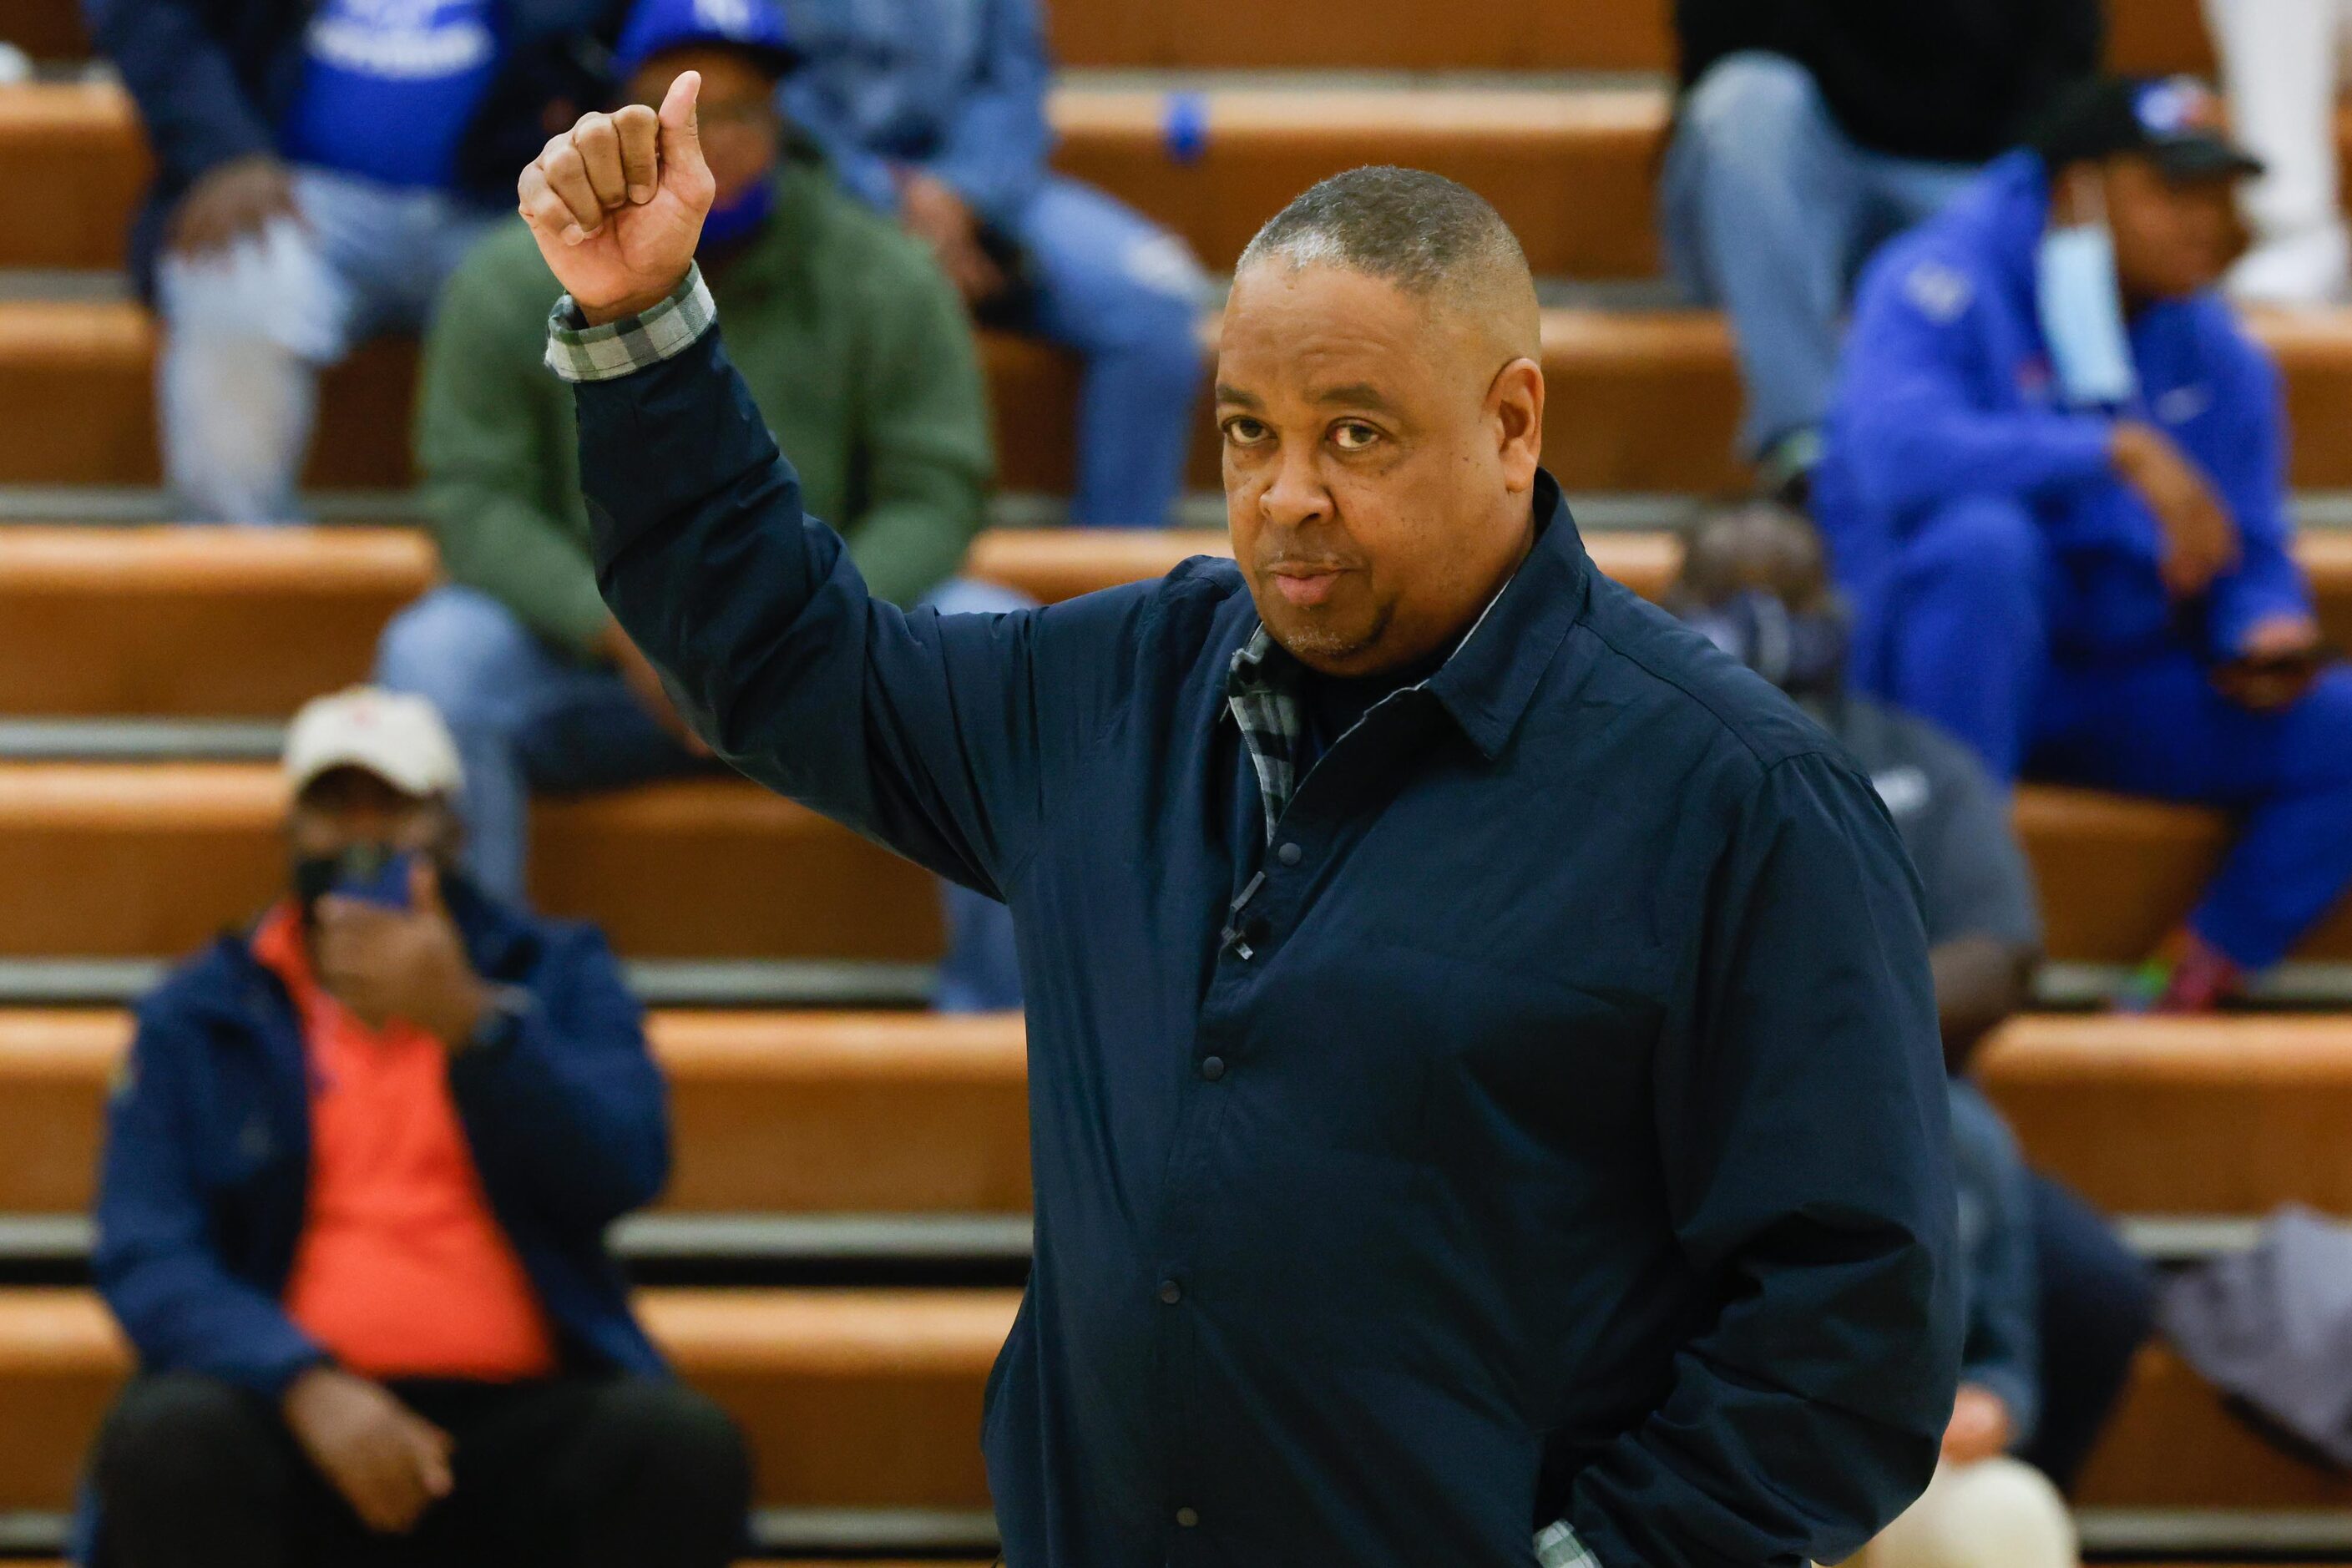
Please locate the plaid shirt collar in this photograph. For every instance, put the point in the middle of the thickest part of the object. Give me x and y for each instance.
(1263, 700)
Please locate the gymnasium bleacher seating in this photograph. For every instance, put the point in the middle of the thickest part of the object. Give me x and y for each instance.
(142, 669)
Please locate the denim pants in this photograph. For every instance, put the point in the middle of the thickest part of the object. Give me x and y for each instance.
(1126, 297)
(249, 330)
(1768, 210)
(529, 717)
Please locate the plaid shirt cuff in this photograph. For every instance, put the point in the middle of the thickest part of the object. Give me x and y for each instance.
(1558, 1547)
(577, 352)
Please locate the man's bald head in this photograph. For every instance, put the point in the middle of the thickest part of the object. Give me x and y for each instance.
(1437, 240)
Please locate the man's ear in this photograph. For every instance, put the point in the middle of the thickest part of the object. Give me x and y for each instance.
(1515, 403)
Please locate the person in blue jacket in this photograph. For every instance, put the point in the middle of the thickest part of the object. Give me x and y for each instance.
(934, 110)
(320, 166)
(357, 1173)
(1485, 1101)
(2056, 491)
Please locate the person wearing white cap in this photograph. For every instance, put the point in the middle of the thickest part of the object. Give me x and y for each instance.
(357, 1176)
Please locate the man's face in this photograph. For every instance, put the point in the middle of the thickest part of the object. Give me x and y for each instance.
(1379, 455)
(741, 132)
(2172, 238)
(344, 809)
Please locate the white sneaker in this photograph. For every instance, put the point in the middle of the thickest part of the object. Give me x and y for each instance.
(2307, 271)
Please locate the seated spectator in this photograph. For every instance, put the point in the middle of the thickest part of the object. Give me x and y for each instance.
(862, 362)
(1811, 131)
(320, 169)
(2281, 61)
(2048, 1272)
(934, 111)
(2056, 490)
(350, 1215)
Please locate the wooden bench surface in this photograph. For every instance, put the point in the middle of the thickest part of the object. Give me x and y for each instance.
(228, 622)
(830, 1113)
(872, 1398)
(1639, 401)
(1380, 34)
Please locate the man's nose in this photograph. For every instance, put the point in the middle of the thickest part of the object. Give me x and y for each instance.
(1298, 494)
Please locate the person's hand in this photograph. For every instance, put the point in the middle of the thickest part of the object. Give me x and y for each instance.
(385, 964)
(1979, 1427)
(616, 203)
(228, 202)
(645, 684)
(389, 1463)
(933, 213)
(2278, 659)
(2200, 541)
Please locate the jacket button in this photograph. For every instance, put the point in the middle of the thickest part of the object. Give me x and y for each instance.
(1212, 1068)
(1187, 1516)
(1290, 853)
(1171, 1293)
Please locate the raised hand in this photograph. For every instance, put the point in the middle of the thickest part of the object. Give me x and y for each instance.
(616, 203)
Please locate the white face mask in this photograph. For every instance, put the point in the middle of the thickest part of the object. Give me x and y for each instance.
(2081, 305)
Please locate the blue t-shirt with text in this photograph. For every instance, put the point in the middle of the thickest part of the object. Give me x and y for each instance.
(389, 88)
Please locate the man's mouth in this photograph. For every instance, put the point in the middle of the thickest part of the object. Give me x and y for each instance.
(1306, 585)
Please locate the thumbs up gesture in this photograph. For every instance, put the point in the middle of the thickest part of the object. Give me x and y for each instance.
(616, 203)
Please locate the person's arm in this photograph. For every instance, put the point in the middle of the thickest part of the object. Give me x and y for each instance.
(1908, 427)
(993, 151)
(918, 730)
(156, 1261)
(1807, 1151)
(197, 114)
(483, 402)
(2003, 1349)
(569, 1101)
(1984, 920)
(2267, 583)
(923, 437)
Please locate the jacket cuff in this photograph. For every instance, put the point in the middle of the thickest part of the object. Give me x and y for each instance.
(1558, 1546)
(577, 352)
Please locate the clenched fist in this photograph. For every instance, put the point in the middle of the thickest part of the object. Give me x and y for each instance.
(616, 203)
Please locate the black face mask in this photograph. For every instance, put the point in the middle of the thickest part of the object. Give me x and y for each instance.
(313, 876)
(1803, 655)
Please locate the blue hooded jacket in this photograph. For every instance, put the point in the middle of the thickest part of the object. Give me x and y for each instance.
(1945, 391)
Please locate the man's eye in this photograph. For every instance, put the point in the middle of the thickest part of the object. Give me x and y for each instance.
(1244, 431)
(1353, 436)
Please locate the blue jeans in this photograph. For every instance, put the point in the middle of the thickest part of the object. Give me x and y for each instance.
(249, 330)
(2097, 1305)
(1960, 632)
(529, 717)
(1126, 296)
(1768, 210)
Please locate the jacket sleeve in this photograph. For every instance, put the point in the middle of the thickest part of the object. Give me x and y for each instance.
(993, 151)
(922, 438)
(1805, 1139)
(197, 113)
(156, 1262)
(570, 1104)
(2252, 479)
(482, 448)
(2001, 1351)
(1908, 427)
(917, 730)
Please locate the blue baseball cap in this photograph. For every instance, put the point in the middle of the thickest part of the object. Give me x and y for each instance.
(755, 27)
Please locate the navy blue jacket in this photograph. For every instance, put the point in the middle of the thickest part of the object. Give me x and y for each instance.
(206, 1168)
(213, 79)
(1564, 1132)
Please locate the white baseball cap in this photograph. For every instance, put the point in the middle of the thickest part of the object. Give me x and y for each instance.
(398, 738)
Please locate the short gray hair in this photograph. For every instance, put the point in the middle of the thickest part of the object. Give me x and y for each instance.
(1420, 231)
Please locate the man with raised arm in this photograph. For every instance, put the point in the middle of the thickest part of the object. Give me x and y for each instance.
(1485, 1096)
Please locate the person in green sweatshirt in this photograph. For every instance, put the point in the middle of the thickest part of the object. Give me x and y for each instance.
(858, 354)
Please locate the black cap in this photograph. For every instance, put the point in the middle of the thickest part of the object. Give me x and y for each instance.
(2176, 121)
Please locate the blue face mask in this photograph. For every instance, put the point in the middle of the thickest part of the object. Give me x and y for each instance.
(2081, 310)
(1803, 655)
(733, 220)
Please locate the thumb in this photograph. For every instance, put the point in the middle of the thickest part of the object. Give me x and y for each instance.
(425, 889)
(681, 132)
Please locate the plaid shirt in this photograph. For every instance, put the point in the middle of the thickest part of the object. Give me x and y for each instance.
(577, 352)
